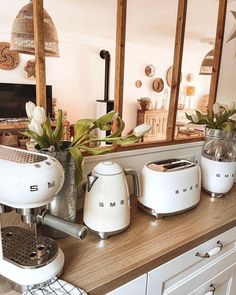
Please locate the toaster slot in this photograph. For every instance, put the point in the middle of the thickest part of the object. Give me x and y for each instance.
(168, 161)
(177, 165)
(170, 165)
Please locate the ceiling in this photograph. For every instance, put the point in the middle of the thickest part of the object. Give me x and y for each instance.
(148, 21)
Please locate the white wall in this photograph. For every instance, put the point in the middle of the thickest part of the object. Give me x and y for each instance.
(227, 80)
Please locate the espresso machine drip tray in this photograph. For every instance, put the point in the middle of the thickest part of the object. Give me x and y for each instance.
(24, 249)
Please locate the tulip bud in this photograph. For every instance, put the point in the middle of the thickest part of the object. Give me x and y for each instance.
(142, 129)
(29, 107)
(39, 115)
(195, 118)
(216, 108)
(36, 127)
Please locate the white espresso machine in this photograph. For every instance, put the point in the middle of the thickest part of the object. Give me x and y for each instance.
(28, 182)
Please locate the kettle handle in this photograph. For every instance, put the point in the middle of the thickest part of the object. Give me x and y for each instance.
(135, 178)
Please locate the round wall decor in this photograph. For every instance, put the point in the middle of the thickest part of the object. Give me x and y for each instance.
(158, 85)
(30, 69)
(169, 76)
(150, 70)
(9, 59)
(190, 77)
(138, 83)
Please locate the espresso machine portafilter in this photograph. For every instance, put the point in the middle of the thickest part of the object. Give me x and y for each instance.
(28, 182)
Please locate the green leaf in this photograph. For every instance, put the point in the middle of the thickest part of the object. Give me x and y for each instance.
(201, 116)
(120, 129)
(129, 139)
(189, 117)
(58, 132)
(78, 158)
(48, 132)
(82, 127)
(97, 151)
(35, 137)
(104, 122)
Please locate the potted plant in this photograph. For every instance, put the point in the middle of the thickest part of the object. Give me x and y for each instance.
(70, 154)
(218, 157)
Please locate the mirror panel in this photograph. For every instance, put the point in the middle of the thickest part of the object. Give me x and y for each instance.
(197, 61)
(150, 38)
(84, 28)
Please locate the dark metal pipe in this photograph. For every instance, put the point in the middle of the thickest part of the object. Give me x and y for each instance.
(104, 54)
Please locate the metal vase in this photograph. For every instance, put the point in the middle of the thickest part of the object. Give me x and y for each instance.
(64, 203)
(218, 162)
(219, 145)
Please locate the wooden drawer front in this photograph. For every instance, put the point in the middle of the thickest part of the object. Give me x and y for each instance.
(177, 269)
(216, 276)
(135, 287)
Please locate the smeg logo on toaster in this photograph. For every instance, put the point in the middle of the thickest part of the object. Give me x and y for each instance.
(186, 189)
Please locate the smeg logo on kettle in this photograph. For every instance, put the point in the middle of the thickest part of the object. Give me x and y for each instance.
(111, 204)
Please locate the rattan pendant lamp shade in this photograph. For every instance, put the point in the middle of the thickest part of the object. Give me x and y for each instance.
(22, 35)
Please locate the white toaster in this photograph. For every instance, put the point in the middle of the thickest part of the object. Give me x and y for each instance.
(169, 187)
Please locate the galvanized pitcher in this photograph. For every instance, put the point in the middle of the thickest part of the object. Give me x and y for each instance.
(64, 203)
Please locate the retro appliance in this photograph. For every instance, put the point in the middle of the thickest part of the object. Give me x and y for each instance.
(107, 200)
(28, 183)
(169, 187)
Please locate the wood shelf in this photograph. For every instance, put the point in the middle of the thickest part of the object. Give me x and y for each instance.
(23, 125)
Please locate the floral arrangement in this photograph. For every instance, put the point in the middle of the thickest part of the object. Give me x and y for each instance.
(85, 139)
(219, 118)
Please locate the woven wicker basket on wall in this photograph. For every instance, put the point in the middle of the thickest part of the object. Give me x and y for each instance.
(9, 139)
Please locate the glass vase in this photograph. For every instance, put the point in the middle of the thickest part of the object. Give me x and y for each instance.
(218, 162)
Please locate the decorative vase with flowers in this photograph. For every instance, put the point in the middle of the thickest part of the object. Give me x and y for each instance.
(70, 154)
(218, 157)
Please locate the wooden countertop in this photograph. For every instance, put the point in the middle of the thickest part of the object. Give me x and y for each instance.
(98, 266)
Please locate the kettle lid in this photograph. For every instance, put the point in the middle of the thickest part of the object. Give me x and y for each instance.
(107, 168)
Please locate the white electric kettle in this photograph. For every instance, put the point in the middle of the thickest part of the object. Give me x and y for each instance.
(107, 200)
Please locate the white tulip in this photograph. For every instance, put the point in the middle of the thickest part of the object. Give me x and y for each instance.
(36, 127)
(195, 118)
(40, 115)
(216, 108)
(29, 107)
(142, 129)
(232, 106)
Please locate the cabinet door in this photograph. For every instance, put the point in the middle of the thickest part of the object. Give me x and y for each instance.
(135, 287)
(217, 280)
(178, 273)
(222, 284)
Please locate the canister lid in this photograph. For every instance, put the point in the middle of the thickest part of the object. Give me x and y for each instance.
(107, 168)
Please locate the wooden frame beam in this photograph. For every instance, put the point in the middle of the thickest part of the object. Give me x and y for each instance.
(120, 54)
(40, 69)
(177, 65)
(217, 52)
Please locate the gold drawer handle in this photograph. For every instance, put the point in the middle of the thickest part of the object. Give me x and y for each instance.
(211, 252)
(211, 291)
